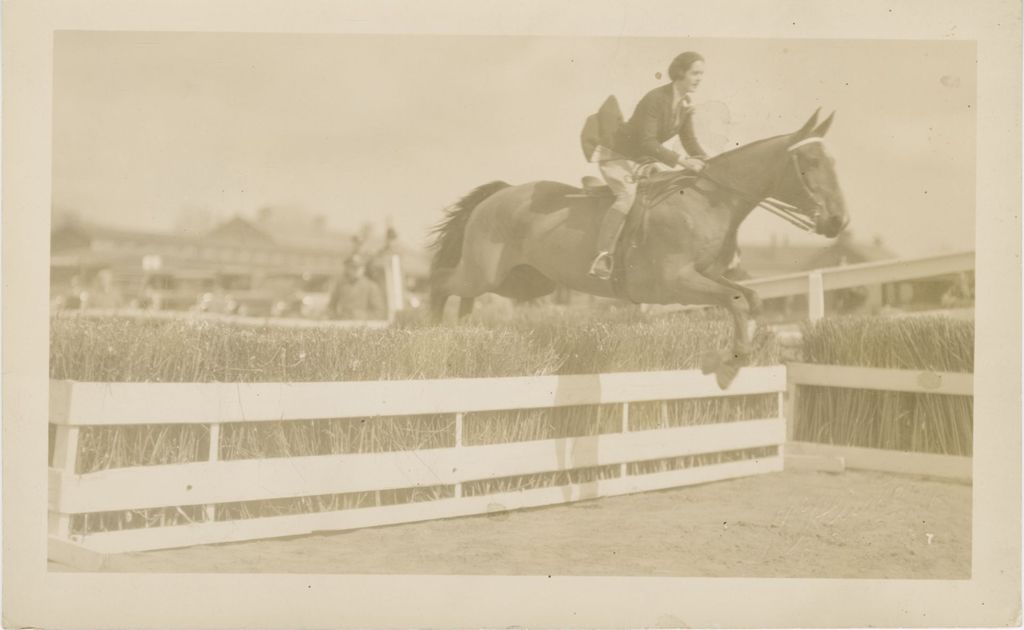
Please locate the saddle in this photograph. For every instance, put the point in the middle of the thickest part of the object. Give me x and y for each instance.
(652, 189)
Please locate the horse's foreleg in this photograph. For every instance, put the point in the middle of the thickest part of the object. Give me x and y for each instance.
(465, 306)
(716, 272)
(696, 288)
(754, 304)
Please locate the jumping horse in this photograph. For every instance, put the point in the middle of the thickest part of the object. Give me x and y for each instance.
(680, 239)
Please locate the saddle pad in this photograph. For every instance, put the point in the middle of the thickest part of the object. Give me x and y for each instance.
(651, 191)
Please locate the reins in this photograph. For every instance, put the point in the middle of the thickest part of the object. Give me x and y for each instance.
(785, 211)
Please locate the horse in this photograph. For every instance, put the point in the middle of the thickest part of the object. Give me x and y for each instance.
(520, 241)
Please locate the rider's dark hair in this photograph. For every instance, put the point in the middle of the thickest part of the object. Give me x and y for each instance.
(682, 63)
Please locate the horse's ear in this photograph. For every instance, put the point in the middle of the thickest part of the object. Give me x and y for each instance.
(808, 126)
(823, 127)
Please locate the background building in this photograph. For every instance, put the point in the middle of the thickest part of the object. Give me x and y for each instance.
(256, 262)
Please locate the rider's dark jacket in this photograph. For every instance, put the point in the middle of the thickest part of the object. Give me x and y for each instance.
(640, 139)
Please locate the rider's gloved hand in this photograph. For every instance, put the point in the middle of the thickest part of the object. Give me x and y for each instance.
(692, 164)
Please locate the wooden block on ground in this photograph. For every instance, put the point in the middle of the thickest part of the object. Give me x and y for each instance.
(957, 467)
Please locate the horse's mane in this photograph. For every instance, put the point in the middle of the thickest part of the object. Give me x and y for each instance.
(749, 145)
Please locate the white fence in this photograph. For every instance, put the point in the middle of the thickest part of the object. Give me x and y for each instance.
(815, 283)
(75, 406)
(885, 460)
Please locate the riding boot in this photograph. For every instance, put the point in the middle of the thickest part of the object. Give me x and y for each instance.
(611, 228)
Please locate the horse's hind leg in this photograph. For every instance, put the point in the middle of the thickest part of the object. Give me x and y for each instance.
(460, 282)
(437, 304)
(716, 273)
(439, 294)
(439, 299)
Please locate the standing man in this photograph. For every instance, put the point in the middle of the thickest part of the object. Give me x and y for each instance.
(104, 292)
(354, 296)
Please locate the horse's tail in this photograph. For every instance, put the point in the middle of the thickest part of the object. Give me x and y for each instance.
(448, 235)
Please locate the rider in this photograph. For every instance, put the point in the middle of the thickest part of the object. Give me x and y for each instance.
(663, 112)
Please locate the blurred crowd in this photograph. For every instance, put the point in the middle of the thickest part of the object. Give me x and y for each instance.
(356, 292)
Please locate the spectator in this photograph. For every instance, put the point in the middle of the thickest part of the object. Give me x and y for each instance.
(354, 296)
(72, 298)
(376, 269)
(959, 293)
(104, 293)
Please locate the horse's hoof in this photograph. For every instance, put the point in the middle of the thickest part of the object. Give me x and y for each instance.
(709, 362)
(726, 373)
(755, 307)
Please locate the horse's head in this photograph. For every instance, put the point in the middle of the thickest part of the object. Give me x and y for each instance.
(810, 183)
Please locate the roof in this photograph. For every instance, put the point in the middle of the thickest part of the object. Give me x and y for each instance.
(241, 232)
(95, 230)
(235, 231)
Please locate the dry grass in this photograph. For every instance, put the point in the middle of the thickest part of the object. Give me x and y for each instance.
(931, 423)
(529, 342)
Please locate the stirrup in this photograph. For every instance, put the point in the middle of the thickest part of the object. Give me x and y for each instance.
(602, 266)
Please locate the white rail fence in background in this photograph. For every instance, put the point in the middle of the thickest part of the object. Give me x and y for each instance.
(76, 406)
(815, 283)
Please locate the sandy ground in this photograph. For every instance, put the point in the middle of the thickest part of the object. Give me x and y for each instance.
(792, 524)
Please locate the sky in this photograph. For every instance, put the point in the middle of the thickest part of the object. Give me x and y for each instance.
(152, 127)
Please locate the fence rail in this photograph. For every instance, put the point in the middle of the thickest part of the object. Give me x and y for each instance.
(815, 283)
(81, 404)
(261, 479)
(90, 554)
(884, 379)
(861, 274)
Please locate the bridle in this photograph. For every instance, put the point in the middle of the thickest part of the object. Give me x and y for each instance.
(801, 218)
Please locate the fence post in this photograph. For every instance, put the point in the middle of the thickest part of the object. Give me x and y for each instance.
(623, 467)
(458, 444)
(213, 456)
(790, 408)
(394, 286)
(815, 296)
(65, 459)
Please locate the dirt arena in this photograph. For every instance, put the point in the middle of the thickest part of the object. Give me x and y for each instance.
(791, 524)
